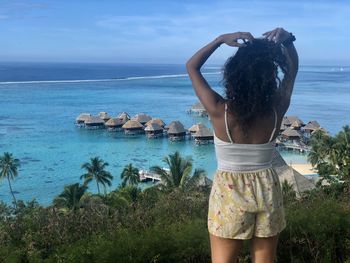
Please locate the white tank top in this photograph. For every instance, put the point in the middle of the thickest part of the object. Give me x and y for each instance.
(243, 157)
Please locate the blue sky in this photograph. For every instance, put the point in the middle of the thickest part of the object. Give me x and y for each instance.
(165, 31)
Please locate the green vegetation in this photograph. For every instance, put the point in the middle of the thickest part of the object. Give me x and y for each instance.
(331, 155)
(179, 172)
(130, 175)
(8, 170)
(95, 170)
(169, 224)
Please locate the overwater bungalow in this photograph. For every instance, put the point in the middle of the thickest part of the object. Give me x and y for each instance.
(293, 119)
(199, 109)
(124, 116)
(285, 123)
(297, 124)
(311, 126)
(114, 124)
(194, 128)
(142, 118)
(291, 134)
(203, 135)
(104, 116)
(157, 121)
(132, 127)
(175, 131)
(94, 122)
(154, 130)
(80, 120)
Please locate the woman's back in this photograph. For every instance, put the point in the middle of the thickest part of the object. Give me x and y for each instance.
(258, 133)
(238, 156)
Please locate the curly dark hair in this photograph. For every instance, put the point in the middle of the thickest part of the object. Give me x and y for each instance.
(250, 78)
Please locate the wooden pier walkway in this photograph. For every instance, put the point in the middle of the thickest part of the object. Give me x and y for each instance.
(146, 176)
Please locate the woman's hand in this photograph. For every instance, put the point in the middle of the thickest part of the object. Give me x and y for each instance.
(231, 39)
(277, 35)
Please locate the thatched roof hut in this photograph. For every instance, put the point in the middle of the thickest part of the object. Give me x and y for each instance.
(142, 118)
(293, 119)
(290, 133)
(124, 116)
(286, 122)
(114, 123)
(104, 116)
(154, 130)
(82, 118)
(94, 121)
(157, 121)
(203, 134)
(176, 130)
(132, 124)
(300, 182)
(198, 108)
(194, 128)
(312, 126)
(297, 124)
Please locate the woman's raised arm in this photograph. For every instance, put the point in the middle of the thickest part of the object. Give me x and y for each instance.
(279, 35)
(207, 96)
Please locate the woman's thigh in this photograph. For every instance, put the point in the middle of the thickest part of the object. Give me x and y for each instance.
(224, 250)
(263, 249)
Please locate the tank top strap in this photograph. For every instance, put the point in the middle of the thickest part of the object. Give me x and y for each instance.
(274, 129)
(227, 130)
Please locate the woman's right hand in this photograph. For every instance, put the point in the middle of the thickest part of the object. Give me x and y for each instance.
(231, 39)
(278, 35)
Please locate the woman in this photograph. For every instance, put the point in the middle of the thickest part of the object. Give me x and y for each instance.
(246, 198)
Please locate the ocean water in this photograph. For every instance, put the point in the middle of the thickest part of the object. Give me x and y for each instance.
(39, 103)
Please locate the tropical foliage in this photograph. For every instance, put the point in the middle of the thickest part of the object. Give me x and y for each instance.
(130, 175)
(179, 173)
(8, 170)
(331, 155)
(71, 196)
(95, 170)
(166, 224)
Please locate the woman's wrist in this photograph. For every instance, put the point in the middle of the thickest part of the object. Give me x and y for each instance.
(218, 41)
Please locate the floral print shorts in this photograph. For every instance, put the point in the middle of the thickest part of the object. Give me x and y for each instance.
(246, 204)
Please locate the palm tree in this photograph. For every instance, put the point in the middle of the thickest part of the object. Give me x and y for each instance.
(130, 175)
(8, 169)
(179, 172)
(331, 155)
(71, 195)
(96, 171)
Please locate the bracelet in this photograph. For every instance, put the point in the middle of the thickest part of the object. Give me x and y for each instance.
(289, 40)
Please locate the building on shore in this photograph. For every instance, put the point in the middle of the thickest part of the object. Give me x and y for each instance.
(154, 130)
(299, 182)
(175, 131)
(94, 122)
(132, 127)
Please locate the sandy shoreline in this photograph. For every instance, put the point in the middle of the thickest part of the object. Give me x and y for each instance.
(304, 169)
